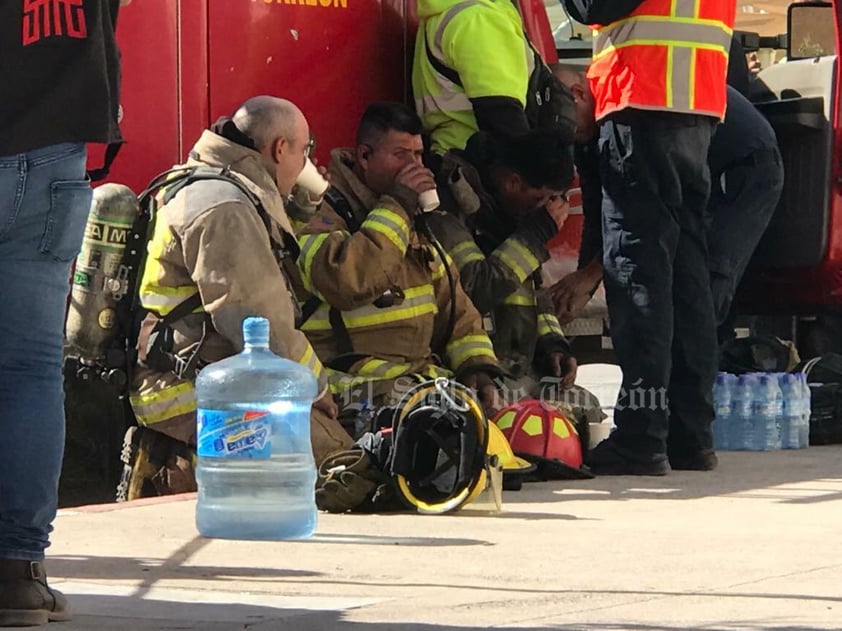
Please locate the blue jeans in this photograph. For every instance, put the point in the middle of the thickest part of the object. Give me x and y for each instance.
(44, 202)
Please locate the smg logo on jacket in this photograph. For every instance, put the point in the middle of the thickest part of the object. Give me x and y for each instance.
(43, 19)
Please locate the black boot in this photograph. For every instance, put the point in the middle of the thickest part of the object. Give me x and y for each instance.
(25, 598)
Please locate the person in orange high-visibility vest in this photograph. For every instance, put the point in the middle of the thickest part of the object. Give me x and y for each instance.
(658, 81)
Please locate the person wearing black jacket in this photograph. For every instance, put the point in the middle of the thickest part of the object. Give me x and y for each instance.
(59, 77)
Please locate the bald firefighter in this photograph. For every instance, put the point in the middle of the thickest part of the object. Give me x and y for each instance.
(389, 310)
(222, 250)
(505, 199)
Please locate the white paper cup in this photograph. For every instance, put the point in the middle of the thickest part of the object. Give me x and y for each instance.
(428, 200)
(312, 180)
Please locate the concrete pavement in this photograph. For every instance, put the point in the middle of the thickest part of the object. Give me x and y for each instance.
(754, 545)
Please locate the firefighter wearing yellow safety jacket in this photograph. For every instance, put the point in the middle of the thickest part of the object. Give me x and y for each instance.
(505, 199)
(387, 309)
(228, 247)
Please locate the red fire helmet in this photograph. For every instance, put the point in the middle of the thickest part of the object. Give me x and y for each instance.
(540, 433)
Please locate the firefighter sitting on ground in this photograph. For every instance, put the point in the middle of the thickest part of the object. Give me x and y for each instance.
(505, 198)
(388, 309)
(231, 251)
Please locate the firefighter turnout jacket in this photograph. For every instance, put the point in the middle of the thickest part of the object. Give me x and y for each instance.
(209, 238)
(499, 262)
(385, 294)
(483, 42)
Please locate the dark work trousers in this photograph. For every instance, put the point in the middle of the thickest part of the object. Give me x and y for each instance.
(656, 182)
(742, 201)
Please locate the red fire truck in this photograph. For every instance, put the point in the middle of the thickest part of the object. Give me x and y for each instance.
(186, 62)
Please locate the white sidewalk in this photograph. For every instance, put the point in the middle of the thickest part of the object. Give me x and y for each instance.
(756, 544)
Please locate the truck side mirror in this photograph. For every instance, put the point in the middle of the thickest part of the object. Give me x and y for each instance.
(811, 30)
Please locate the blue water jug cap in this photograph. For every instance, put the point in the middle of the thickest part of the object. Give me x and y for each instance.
(256, 331)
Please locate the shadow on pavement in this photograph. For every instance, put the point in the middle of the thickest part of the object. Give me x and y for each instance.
(105, 613)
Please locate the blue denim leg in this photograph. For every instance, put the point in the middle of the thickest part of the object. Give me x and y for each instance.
(44, 202)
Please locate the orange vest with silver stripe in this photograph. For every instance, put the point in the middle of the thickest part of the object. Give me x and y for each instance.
(669, 55)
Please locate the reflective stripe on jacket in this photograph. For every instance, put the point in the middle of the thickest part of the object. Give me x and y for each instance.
(210, 239)
(483, 42)
(351, 271)
(498, 271)
(667, 55)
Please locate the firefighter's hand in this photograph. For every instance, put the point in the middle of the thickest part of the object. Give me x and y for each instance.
(409, 183)
(558, 209)
(486, 391)
(572, 293)
(564, 367)
(326, 405)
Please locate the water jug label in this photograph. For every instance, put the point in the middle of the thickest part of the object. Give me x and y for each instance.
(230, 434)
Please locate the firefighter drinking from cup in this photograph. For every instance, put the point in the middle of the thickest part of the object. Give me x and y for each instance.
(387, 303)
(222, 250)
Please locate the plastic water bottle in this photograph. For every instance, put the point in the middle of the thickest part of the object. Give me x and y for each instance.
(723, 401)
(741, 424)
(255, 471)
(793, 418)
(768, 410)
(806, 410)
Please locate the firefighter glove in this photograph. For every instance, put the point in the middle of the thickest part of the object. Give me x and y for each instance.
(346, 481)
(344, 492)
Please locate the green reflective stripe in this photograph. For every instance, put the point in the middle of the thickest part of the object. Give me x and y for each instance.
(469, 347)
(309, 245)
(162, 405)
(379, 369)
(523, 296)
(339, 382)
(418, 301)
(548, 325)
(517, 257)
(162, 300)
(466, 252)
(390, 224)
(439, 272)
(319, 321)
(662, 31)
(162, 237)
(310, 360)
(376, 317)
(372, 370)
(433, 371)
